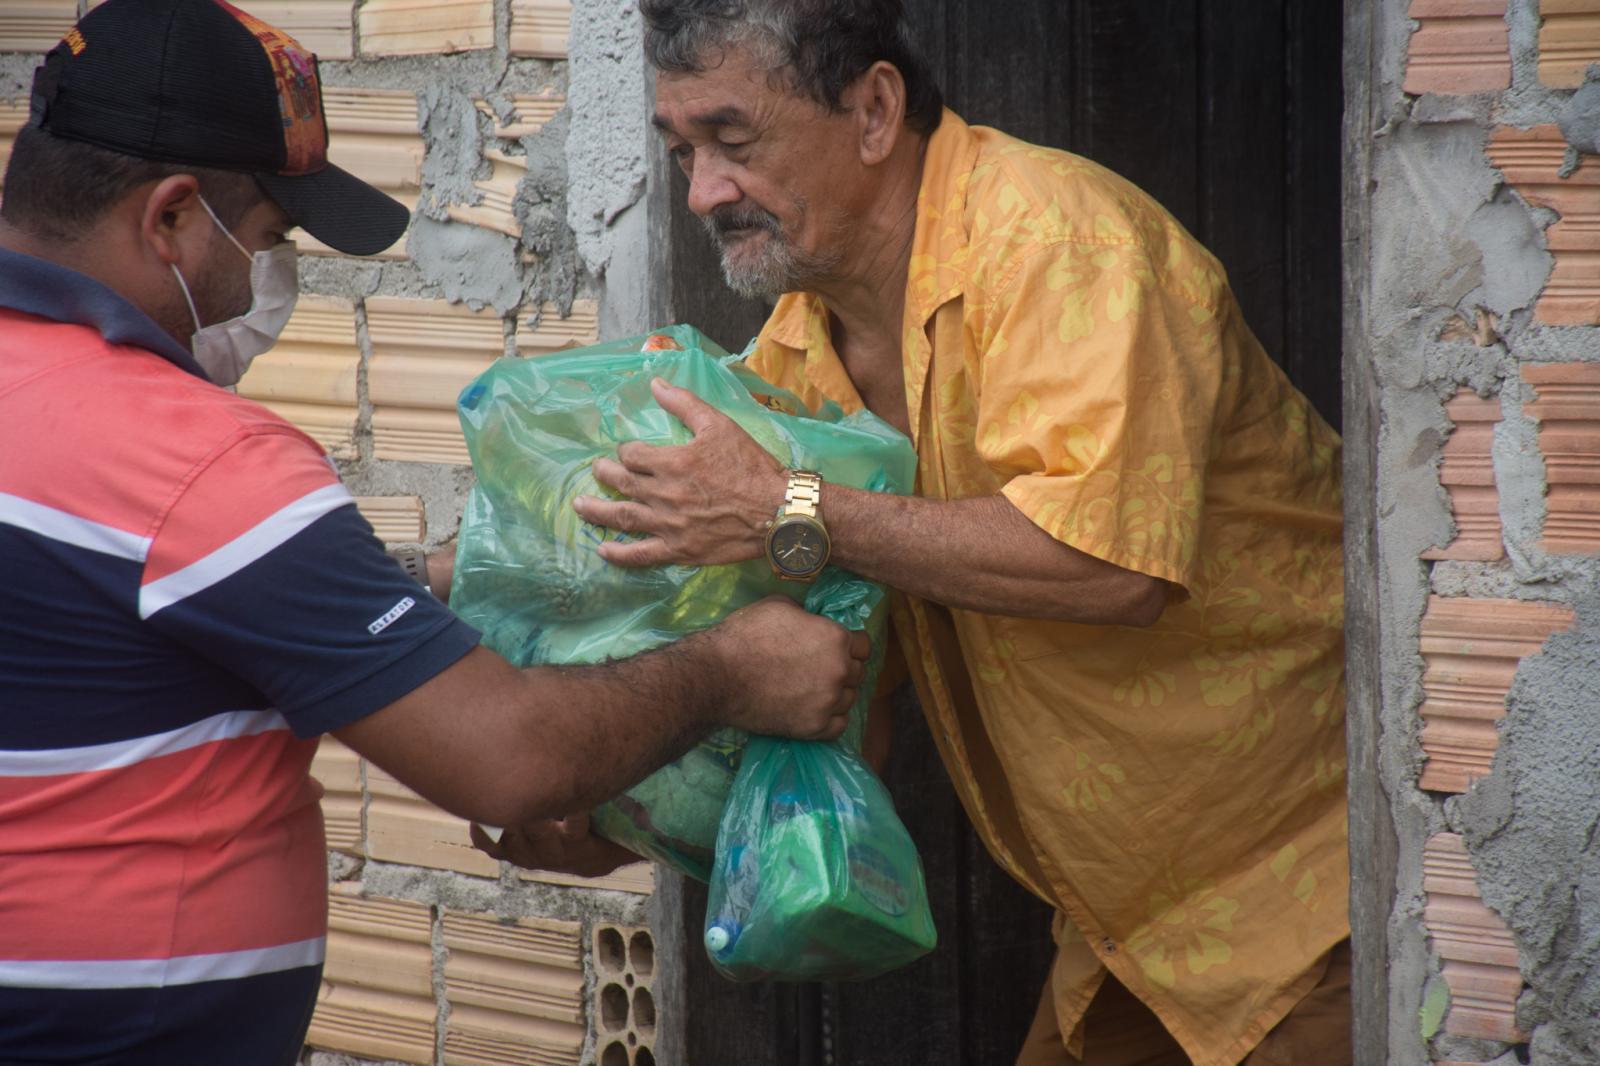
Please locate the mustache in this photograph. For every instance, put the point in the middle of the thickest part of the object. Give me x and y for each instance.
(731, 217)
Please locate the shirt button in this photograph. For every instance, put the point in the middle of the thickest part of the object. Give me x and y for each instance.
(1109, 946)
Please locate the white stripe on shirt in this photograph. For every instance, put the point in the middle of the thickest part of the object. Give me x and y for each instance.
(90, 758)
(160, 973)
(243, 550)
(68, 528)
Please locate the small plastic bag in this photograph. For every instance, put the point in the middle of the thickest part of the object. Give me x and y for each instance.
(815, 877)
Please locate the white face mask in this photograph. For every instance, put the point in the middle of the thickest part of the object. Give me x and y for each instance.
(224, 350)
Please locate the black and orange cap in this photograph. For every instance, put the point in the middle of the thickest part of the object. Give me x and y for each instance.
(203, 83)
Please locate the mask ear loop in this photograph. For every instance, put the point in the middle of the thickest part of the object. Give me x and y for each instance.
(184, 285)
(215, 221)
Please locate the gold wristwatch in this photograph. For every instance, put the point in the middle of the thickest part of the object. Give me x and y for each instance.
(797, 541)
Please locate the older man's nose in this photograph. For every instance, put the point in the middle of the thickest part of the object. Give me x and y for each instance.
(710, 186)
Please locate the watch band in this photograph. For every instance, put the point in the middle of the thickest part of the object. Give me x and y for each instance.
(804, 494)
(415, 564)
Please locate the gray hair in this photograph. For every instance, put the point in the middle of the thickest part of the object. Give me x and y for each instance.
(820, 46)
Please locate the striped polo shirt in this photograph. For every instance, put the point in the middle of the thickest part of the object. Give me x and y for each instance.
(188, 598)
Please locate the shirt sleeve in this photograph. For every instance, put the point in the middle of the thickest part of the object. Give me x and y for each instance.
(1100, 374)
(264, 566)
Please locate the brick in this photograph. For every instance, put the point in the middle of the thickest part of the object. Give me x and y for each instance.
(403, 827)
(1568, 412)
(374, 134)
(309, 377)
(395, 519)
(414, 27)
(338, 770)
(1460, 46)
(323, 26)
(1531, 161)
(1472, 648)
(515, 990)
(638, 878)
(1467, 474)
(554, 333)
(624, 1005)
(529, 113)
(377, 997)
(35, 25)
(1479, 959)
(423, 353)
(1569, 40)
(540, 28)
(497, 192)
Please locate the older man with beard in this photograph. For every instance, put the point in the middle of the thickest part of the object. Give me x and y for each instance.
(1120, 582)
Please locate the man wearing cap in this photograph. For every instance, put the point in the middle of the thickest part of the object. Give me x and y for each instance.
(189, 598)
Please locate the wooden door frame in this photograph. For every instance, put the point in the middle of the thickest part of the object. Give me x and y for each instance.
(1373, 844)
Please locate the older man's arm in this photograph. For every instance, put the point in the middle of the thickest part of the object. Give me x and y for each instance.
(709, 501)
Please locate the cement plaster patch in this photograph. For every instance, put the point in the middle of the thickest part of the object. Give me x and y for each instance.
(555, 273)
(454, 130)
(1447, 237)
(606, 164)
(1520, 480)
(1532, 827)
(470, 264)
(1413, 514)
(1580, 119)
(443, 490)
(16, 75)
(508, 897)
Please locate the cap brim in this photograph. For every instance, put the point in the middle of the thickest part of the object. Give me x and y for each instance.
(339, 209)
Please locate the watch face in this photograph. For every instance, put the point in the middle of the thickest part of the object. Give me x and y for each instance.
(798, 548)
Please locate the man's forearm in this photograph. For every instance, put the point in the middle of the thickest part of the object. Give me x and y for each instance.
(505, 746)
(981, 554)
(564, 737)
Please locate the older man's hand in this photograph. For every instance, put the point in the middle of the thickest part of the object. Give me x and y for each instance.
(705, 502)
(564, 845)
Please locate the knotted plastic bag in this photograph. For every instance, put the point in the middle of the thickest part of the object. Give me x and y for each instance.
(529, 576)
(816, 878)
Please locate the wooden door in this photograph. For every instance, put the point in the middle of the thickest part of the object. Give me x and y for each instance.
(1228, 112)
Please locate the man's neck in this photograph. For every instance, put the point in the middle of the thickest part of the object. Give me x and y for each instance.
(69, 254)
(867, 299)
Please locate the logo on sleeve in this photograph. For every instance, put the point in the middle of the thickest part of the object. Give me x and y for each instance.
(391, 616)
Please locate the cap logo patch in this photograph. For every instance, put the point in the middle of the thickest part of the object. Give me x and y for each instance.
(305, 136)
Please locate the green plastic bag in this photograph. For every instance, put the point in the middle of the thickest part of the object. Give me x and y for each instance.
(528, 574)
(816, 878)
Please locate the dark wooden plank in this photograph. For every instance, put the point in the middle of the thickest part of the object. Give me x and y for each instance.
(914, 1015)
(1021, 89)
(1138, 94)
(1373, 843)
(1006, 953)
(1312, 180)
(1241, 164)
(765, 1024)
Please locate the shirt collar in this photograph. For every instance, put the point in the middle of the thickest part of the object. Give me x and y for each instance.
(937, 268)
(39, 287)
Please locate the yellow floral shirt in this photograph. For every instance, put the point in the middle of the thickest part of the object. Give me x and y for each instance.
(1176, 792)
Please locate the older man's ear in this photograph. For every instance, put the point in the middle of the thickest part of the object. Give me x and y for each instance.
(878, 98)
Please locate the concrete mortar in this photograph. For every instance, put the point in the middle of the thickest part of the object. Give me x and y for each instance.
(508, 897)
(1450, 241)
(16, 75)
(1531, 827)
(606, 164)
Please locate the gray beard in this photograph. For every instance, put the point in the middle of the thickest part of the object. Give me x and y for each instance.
(778, 268)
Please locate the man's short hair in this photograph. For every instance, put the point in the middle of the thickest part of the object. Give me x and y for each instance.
(60, 189)
(821, 46)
